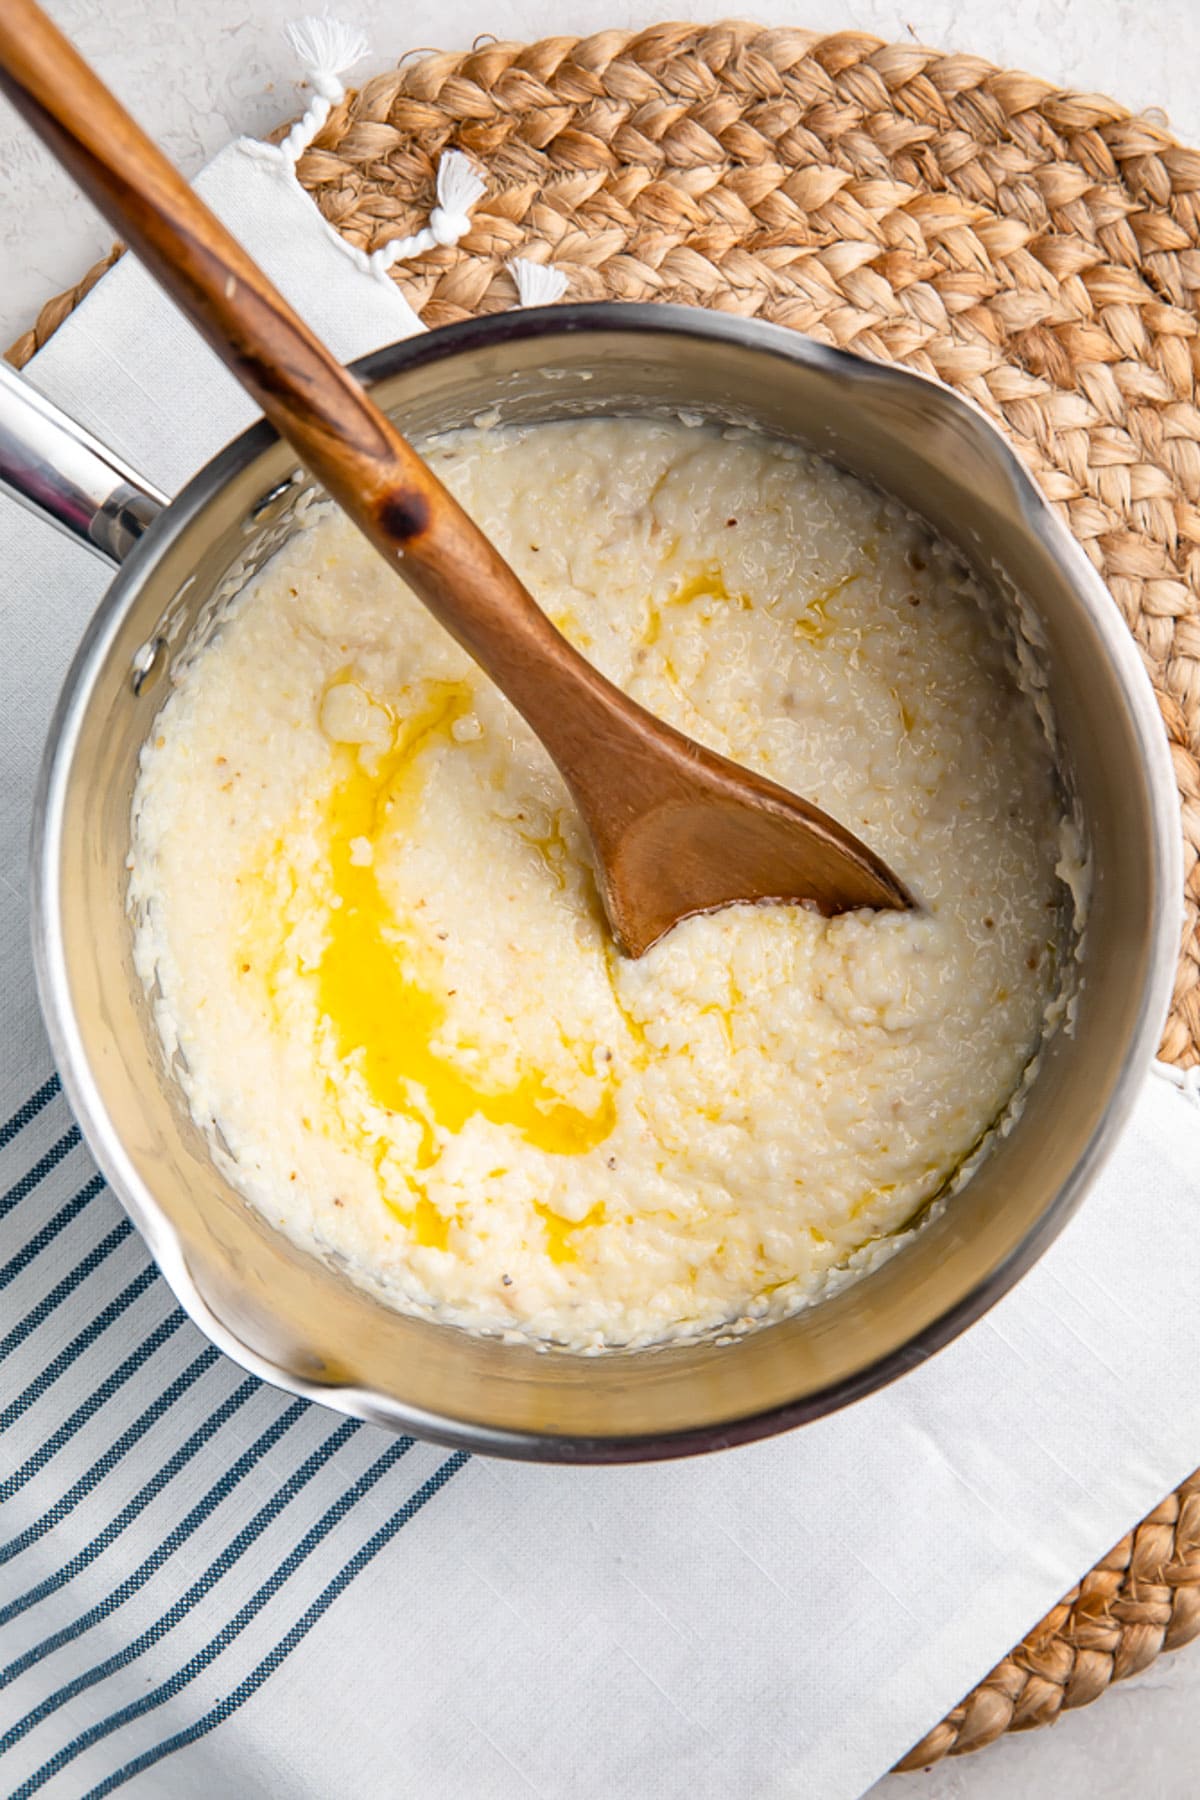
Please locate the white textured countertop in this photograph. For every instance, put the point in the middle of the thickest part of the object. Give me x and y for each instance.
(197, 75)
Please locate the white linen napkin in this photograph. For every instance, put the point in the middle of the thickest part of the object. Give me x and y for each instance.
(208, 1587)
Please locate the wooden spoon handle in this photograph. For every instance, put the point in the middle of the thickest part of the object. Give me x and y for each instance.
(348, 443)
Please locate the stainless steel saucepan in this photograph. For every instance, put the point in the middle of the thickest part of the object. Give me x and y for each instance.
(299, 1321)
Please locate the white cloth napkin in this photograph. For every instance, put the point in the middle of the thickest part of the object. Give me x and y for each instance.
(207, 1587)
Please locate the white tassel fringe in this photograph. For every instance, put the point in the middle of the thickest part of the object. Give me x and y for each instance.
(459, 186)
(538, 284)
(327, 48)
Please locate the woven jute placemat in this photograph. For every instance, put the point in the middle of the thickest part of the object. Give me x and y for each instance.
(1035, 247)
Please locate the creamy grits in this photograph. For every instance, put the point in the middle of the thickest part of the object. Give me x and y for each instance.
(364, 907)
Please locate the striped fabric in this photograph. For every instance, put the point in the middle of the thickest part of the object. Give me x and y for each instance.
(170, 1530)
(109, 1661)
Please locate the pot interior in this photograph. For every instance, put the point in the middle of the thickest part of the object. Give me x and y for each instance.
(304, 1323)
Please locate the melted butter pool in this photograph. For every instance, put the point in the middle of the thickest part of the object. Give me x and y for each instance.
(381, 989)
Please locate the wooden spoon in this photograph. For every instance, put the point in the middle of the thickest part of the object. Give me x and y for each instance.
(675, 829)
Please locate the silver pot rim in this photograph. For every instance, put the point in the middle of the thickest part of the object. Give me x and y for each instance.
(72, 1060)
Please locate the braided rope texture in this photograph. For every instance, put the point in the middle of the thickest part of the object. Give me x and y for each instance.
(1143, 1598)
(1037, 248)
(56, 310)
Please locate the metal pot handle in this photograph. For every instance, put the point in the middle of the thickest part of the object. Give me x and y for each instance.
(57, 469)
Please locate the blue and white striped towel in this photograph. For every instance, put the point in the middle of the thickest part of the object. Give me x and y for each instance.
(207, 1587)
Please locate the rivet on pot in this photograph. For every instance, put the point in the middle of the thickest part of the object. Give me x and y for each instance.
(143, 662)
(276, 493)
